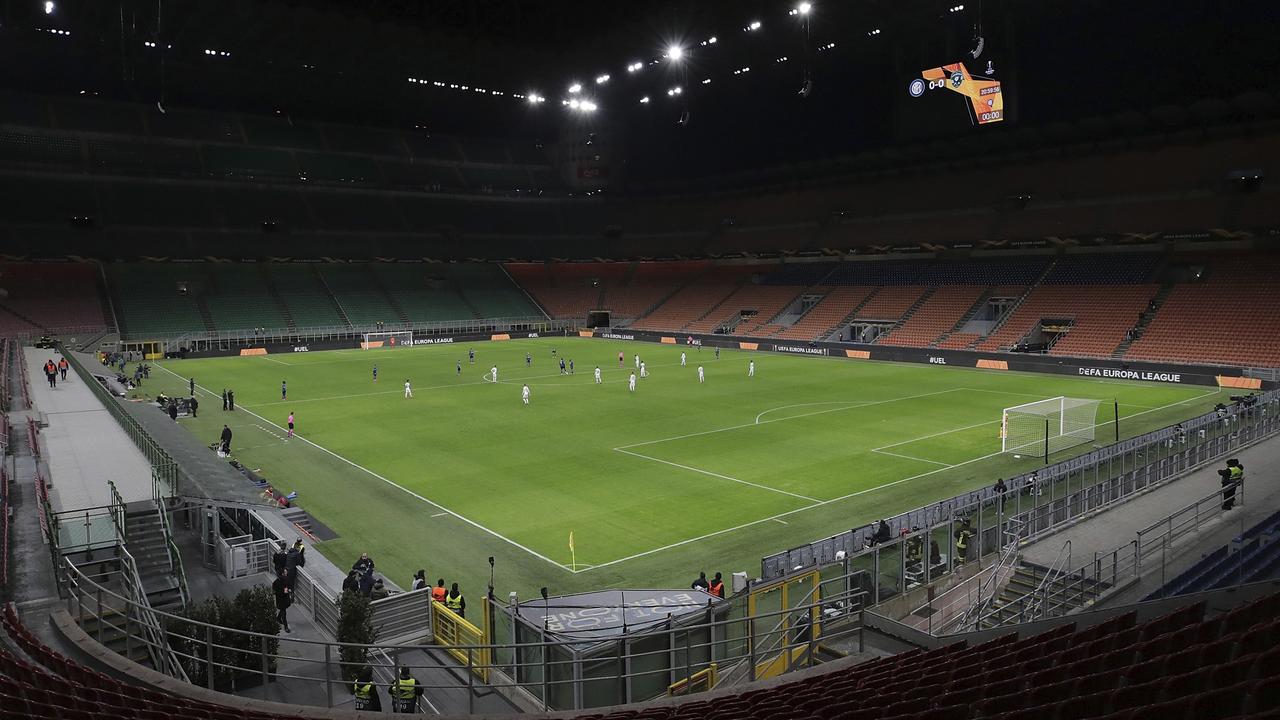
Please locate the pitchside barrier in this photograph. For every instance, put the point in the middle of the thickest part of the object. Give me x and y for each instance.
(1035, 503)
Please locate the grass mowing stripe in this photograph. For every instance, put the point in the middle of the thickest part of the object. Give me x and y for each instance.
(407, 491)
(716, 475)
(851, 495)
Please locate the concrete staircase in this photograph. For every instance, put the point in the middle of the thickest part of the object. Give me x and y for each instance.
(342, 313)
(110, 631)
(1014, 307)
(1066, 593)
(146, 541)
(1144, 321)
(376, 282)
(202, 304)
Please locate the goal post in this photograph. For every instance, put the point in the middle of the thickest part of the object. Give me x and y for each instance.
(387, 339)
(1044, 427)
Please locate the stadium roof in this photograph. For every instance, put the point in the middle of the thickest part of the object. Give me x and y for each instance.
(588, 618)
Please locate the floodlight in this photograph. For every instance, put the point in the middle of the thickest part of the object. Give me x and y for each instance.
(644, 100)
(755, 25)
(602, 79)
(804, 8)
(575, 88)
(574, 104)
(711, 40)
(675, 52)
(49, 7)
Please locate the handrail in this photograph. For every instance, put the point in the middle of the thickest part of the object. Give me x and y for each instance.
(726, 638)
(175, 557)
(1008, 556)
(162, 655)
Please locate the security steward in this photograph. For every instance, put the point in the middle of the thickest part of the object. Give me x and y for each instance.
(962, 543)
(438, 592)
(455, 602)
(716, 588)
(405, 692)
(366, 692)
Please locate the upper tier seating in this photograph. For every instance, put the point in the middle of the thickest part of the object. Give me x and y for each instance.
(650, 283)
(1175, 667)
(49, 296)
(239, 298)
(300, 288)
(1232, 317)
(936, 316)
(1100, 315)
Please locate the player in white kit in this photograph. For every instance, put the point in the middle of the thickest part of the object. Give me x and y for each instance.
(631, 383)
(682, 359)
(408, 391)
(493, 371)
(644, 371)
(637, 361)
(597, 374)
(524, 394)
(702, 377)
(751, 369)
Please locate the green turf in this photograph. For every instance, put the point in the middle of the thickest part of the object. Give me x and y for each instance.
(655, 485)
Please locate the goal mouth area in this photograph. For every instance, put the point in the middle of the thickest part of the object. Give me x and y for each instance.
(1047, 426)
(388, 339)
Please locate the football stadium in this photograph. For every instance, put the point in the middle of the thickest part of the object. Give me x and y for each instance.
(815, 360)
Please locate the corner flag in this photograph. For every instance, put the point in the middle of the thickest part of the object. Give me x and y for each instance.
(573, 556)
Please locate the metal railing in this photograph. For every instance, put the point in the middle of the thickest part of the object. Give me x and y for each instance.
(990, 588)
(1062, 493)
(550, 674)
(1065, 590)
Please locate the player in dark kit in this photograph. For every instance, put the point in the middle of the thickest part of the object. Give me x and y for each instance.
(528, 360)
(284, 390)
(459, 367)
(471, 356)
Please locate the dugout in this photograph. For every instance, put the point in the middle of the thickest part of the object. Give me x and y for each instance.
(607, 647)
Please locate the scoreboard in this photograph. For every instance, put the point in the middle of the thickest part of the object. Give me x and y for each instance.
(982, 94)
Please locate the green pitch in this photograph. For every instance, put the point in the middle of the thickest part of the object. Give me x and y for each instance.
(655, 484)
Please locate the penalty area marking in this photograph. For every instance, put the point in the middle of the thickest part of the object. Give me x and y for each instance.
(821, 503)
(402, 488)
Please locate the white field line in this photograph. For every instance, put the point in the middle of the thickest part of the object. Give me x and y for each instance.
(271, 359)
(937, 434)
(842, 498)
(912, 457)
(788, 407)
(428, 501)
(716, 475)
(790, 417)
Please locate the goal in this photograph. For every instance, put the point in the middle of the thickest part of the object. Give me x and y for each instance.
(1047, 426)
(389, 339)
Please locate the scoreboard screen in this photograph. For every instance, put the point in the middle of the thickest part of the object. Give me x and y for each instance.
(981, 93)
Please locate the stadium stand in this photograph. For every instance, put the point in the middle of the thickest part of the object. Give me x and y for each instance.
(748, 310)
(649, 284)
(1231, 317)
(890, 303)
(158, 298)
(1180, 665)
(422, 292)
(939, 312)
(697, 300)
(354, 290)
(308, 302)
(829, 313)
(1099, 316)
(239, 298)
(1252, 556)
(491, 291)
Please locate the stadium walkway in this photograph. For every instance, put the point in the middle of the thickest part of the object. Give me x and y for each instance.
(1113, 528)
(85, 445)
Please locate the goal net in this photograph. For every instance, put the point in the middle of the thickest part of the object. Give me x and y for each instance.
(389, 339)
(1047, 426)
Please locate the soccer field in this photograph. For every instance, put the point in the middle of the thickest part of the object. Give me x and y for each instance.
(655, 485)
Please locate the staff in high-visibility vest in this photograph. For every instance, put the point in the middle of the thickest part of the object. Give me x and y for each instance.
(405, 692)
(455, 602)
(716, 587)
(962, 543)
(366, 692)
(438, 592)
